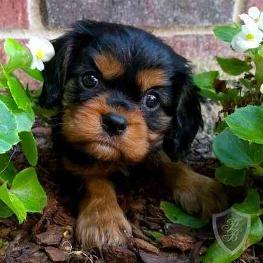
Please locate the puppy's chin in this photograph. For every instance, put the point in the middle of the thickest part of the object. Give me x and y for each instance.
(103, 151)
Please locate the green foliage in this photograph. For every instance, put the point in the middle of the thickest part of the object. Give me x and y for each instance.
(247, 123)
(227, 32)
(233, 66)
(156, 235)
(206, 82)
(230, 176)
(237, 153)
(178, 216)
(250, 206)
(239, 142)
(20, 192)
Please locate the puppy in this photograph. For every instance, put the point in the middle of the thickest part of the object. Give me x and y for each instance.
(125, 98)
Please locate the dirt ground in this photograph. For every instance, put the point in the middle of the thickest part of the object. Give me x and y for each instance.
(49, 237)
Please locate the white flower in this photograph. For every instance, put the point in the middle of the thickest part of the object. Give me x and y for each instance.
(253, 16)
(42, 51)
(249, 37)
(261, 89)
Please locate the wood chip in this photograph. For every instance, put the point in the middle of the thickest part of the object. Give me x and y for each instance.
(119, 255)
(145, 246)
(56, 254)
(150, 258)
(181, 241)
(52, 236)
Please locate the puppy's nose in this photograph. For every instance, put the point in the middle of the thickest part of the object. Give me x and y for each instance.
(114, 124)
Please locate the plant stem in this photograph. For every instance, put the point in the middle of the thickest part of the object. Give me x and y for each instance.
(2, 181)
(258, 170)
(259, 71)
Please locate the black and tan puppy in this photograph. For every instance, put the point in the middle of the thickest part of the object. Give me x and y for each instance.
(126, 99)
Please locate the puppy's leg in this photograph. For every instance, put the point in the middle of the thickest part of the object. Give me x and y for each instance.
(196, 193)
(101, 221)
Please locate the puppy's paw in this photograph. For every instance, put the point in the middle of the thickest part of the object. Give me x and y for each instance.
(199, 194)
(99, 227)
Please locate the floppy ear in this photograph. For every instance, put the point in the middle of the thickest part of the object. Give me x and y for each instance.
(55, 72)
(187, 117)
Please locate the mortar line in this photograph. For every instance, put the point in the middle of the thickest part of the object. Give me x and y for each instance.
(239, 7)
(34, 16)
(51, 34)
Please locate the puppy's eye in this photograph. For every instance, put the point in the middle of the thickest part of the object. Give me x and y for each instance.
(89, 80)
(151, 101)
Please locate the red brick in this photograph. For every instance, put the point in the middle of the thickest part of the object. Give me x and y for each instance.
(258, 3)
(151, 13)
(13, 14)
(199, 46)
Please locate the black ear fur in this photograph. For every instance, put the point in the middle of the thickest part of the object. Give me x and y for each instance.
(187, 117)
(55, 72)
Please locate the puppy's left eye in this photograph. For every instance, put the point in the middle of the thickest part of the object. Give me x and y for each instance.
(89, 80)
(151, 101)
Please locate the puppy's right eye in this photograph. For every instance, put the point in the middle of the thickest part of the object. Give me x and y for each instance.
(89, 80)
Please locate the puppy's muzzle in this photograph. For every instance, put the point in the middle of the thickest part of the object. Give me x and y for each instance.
(113, 124)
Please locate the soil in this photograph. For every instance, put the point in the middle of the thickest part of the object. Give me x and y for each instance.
(49, 237)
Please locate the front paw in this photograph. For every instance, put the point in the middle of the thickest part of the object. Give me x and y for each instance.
(99, 227)
(200, 195)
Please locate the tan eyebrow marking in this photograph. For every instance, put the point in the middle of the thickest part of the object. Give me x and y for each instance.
(109, 66)
(148, 78)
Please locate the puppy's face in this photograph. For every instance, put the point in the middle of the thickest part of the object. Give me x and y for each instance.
(123, 92)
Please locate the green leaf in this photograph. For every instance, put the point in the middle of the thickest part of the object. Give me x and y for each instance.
(29, 147)
(178, 216)
(34, 73)
(206, 83)
(4, 210)
(206, 79)
(7, 168)
(13, 202)
(3, 83)
(18, 93)
(227, 32)
(233, 66)
(229, 176)
(19, 56)
(230, 95)
(247, 123)
(154, 234)
(217, 254)
(8, 129)
(236, 153)
(24, 119)
(251, 205)
(27, 188)
(260, 51)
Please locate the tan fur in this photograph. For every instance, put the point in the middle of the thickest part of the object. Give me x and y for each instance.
(197, 194)
(148, 78)
(109, 66)
(82, 124)
(101, 220)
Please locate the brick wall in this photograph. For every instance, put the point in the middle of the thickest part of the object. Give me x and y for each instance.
(184, 24)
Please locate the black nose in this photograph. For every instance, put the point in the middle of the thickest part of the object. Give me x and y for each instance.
(114, 124)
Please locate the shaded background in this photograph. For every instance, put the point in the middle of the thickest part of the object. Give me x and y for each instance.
(184, 24)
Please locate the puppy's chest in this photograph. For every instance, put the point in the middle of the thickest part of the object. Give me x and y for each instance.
(82, 164)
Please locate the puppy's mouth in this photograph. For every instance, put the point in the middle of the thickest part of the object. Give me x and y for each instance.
(107, 133)
(103, 150)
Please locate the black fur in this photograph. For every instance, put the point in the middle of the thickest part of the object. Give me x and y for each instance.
(137, 50)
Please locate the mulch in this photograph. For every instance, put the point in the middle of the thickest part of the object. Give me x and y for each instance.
(49, 237)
